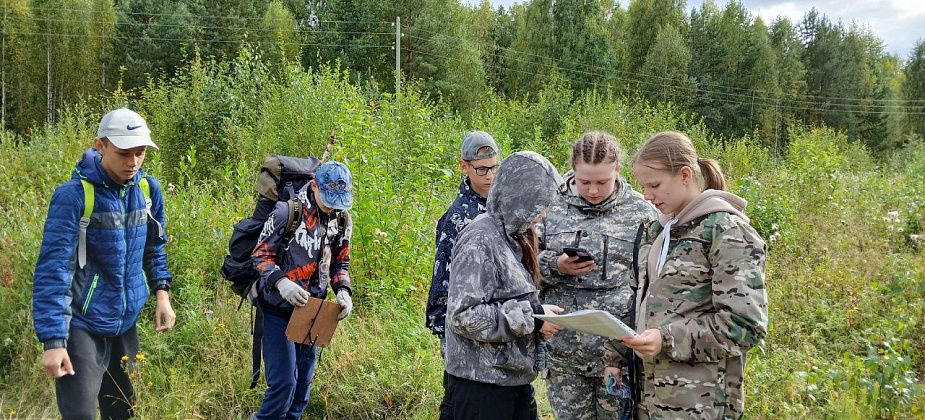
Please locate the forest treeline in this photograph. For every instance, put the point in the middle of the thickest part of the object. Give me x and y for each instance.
(741, 75)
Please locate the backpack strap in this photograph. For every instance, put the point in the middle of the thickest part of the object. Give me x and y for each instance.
(295, 217)
(89, 198)
(146, 191)
(636, 244)
(635, 370)
(256, 345)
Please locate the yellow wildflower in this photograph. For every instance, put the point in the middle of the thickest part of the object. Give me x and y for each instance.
(139, 356)
(124, 358)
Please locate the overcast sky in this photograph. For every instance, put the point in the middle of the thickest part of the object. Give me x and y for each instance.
(899, 23)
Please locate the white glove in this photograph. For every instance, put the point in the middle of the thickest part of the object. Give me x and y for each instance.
(293, 293)
(346, 302)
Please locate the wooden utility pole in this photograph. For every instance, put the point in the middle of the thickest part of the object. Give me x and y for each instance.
(397, 54)
(3, 73)
(49, 100)
(3, 82)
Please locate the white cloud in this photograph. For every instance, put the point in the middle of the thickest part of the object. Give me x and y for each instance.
(897, 22)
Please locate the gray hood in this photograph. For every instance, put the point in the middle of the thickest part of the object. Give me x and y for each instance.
(525, 185)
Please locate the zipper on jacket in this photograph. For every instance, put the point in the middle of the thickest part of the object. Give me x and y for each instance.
(122, 194)
(96, 278)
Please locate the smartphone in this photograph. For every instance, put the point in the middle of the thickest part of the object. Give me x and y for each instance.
(582, 254)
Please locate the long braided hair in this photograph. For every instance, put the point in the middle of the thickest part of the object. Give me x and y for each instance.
(596, 147)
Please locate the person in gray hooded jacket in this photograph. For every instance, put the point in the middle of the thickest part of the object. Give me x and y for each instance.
(491, 335)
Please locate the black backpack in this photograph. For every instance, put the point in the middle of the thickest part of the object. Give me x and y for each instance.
(281, 177)
(279, 180)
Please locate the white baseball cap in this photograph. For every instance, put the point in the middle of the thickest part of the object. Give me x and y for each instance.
(125, 129)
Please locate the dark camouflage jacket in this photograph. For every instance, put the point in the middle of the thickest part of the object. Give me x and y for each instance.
(607, 230)
(467, 206)
(710, 304)
(491, 335)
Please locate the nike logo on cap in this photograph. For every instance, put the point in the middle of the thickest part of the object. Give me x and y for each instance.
(129, 126)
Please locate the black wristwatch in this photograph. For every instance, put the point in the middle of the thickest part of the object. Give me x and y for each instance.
(163, 286)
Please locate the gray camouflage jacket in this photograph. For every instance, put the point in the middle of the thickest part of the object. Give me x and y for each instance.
(710, 304)
(491, 335)
(607, 230)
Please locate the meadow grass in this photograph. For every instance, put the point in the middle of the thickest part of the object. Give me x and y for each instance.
(844, 276)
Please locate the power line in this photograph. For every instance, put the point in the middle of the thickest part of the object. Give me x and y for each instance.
(751, 97)
(746, 100)
(202, 17)
(750, 93)
(585, 83)
(760, 100)
(198, 40)
(197, 27)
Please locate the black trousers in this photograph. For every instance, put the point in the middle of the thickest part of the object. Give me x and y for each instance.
(446, 405)
(473, 400)
(99, 376)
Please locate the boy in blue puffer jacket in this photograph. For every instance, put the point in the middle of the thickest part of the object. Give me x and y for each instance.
(102, 255)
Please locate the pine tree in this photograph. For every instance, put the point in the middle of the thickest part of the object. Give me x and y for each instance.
(913, 89)
(762, 80)
(791, 78)
(644, 18)
(153, 38)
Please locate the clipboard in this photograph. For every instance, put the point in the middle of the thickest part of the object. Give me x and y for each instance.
(313, 323)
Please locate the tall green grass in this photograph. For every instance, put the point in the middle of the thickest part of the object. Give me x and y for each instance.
(845, 269)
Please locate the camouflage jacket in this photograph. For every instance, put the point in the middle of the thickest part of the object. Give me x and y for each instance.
(607, 230)
(491, 335)
(710, 304)
(467, 206)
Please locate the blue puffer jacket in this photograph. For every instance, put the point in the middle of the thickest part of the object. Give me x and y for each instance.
(106, 296)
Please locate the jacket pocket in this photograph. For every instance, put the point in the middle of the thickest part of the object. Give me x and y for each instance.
(516, 356)
(689, 388)
(90, 290)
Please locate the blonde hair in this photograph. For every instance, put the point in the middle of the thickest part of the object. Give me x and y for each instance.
(672, 151)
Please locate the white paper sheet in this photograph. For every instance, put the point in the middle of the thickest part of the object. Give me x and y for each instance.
(591, 321)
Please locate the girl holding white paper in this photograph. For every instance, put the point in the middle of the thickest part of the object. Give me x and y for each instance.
(701, 302)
